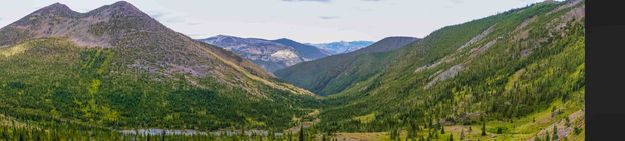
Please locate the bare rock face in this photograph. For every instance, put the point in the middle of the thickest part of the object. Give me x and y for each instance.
(270, 55)
(447, 74)
(142, 44)
(98, 28)
(341, 47)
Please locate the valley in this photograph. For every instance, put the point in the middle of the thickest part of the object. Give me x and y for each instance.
(116, 73)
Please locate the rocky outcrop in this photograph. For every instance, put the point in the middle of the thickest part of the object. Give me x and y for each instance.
(270, 55)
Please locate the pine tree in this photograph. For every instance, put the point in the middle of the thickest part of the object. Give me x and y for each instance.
(451, 137)
(163, 135)
(242, 131)
(483, 128)
(555, 133)
(462, 134)
(396, 134)
(442, 129)
(392, 134)
(301, 133)
(577, 130)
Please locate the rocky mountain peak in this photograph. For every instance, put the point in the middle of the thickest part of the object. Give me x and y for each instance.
(121, 8)
(56, 6)
(106, 26)
(57, 9)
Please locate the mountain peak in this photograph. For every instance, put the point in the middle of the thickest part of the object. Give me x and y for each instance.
(399, 37)
(223, 36)
(122, 8)
(122, 3)
(99, 27)
(125, 5)
(56, 9)
(57, 5)
(286, 40)
(388, 44)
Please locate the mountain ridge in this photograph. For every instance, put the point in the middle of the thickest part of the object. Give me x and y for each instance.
(341, 47)
(497, 73)
(332, 74)
(308, 52)
(115, 61)
(516, 75)
(269, 54)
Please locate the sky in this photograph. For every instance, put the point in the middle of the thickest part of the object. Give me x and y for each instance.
(308, 21)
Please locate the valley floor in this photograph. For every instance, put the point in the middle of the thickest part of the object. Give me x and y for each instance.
(568, 117)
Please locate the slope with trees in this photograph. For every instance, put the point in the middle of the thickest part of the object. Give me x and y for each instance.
(334, 73)
(117, 68)
(509, 67)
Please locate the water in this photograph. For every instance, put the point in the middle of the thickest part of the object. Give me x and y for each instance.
(188, 132)
(154, 131)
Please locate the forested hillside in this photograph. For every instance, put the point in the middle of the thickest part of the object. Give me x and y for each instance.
(115, 73)
(335, 73)
(501, 70)
(117, 68)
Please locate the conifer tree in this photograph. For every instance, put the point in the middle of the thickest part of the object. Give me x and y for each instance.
(555, 133)
(163, 135)
(442, 129)
(462, 134)
(483, 128)
(451, 137)
(301, 133)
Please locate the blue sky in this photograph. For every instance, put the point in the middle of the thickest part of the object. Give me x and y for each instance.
(311, 21)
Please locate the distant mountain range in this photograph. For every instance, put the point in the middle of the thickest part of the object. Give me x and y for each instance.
(342, 46)
(271, 55)
(516, 75)
(334, 73)
(307, 52)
